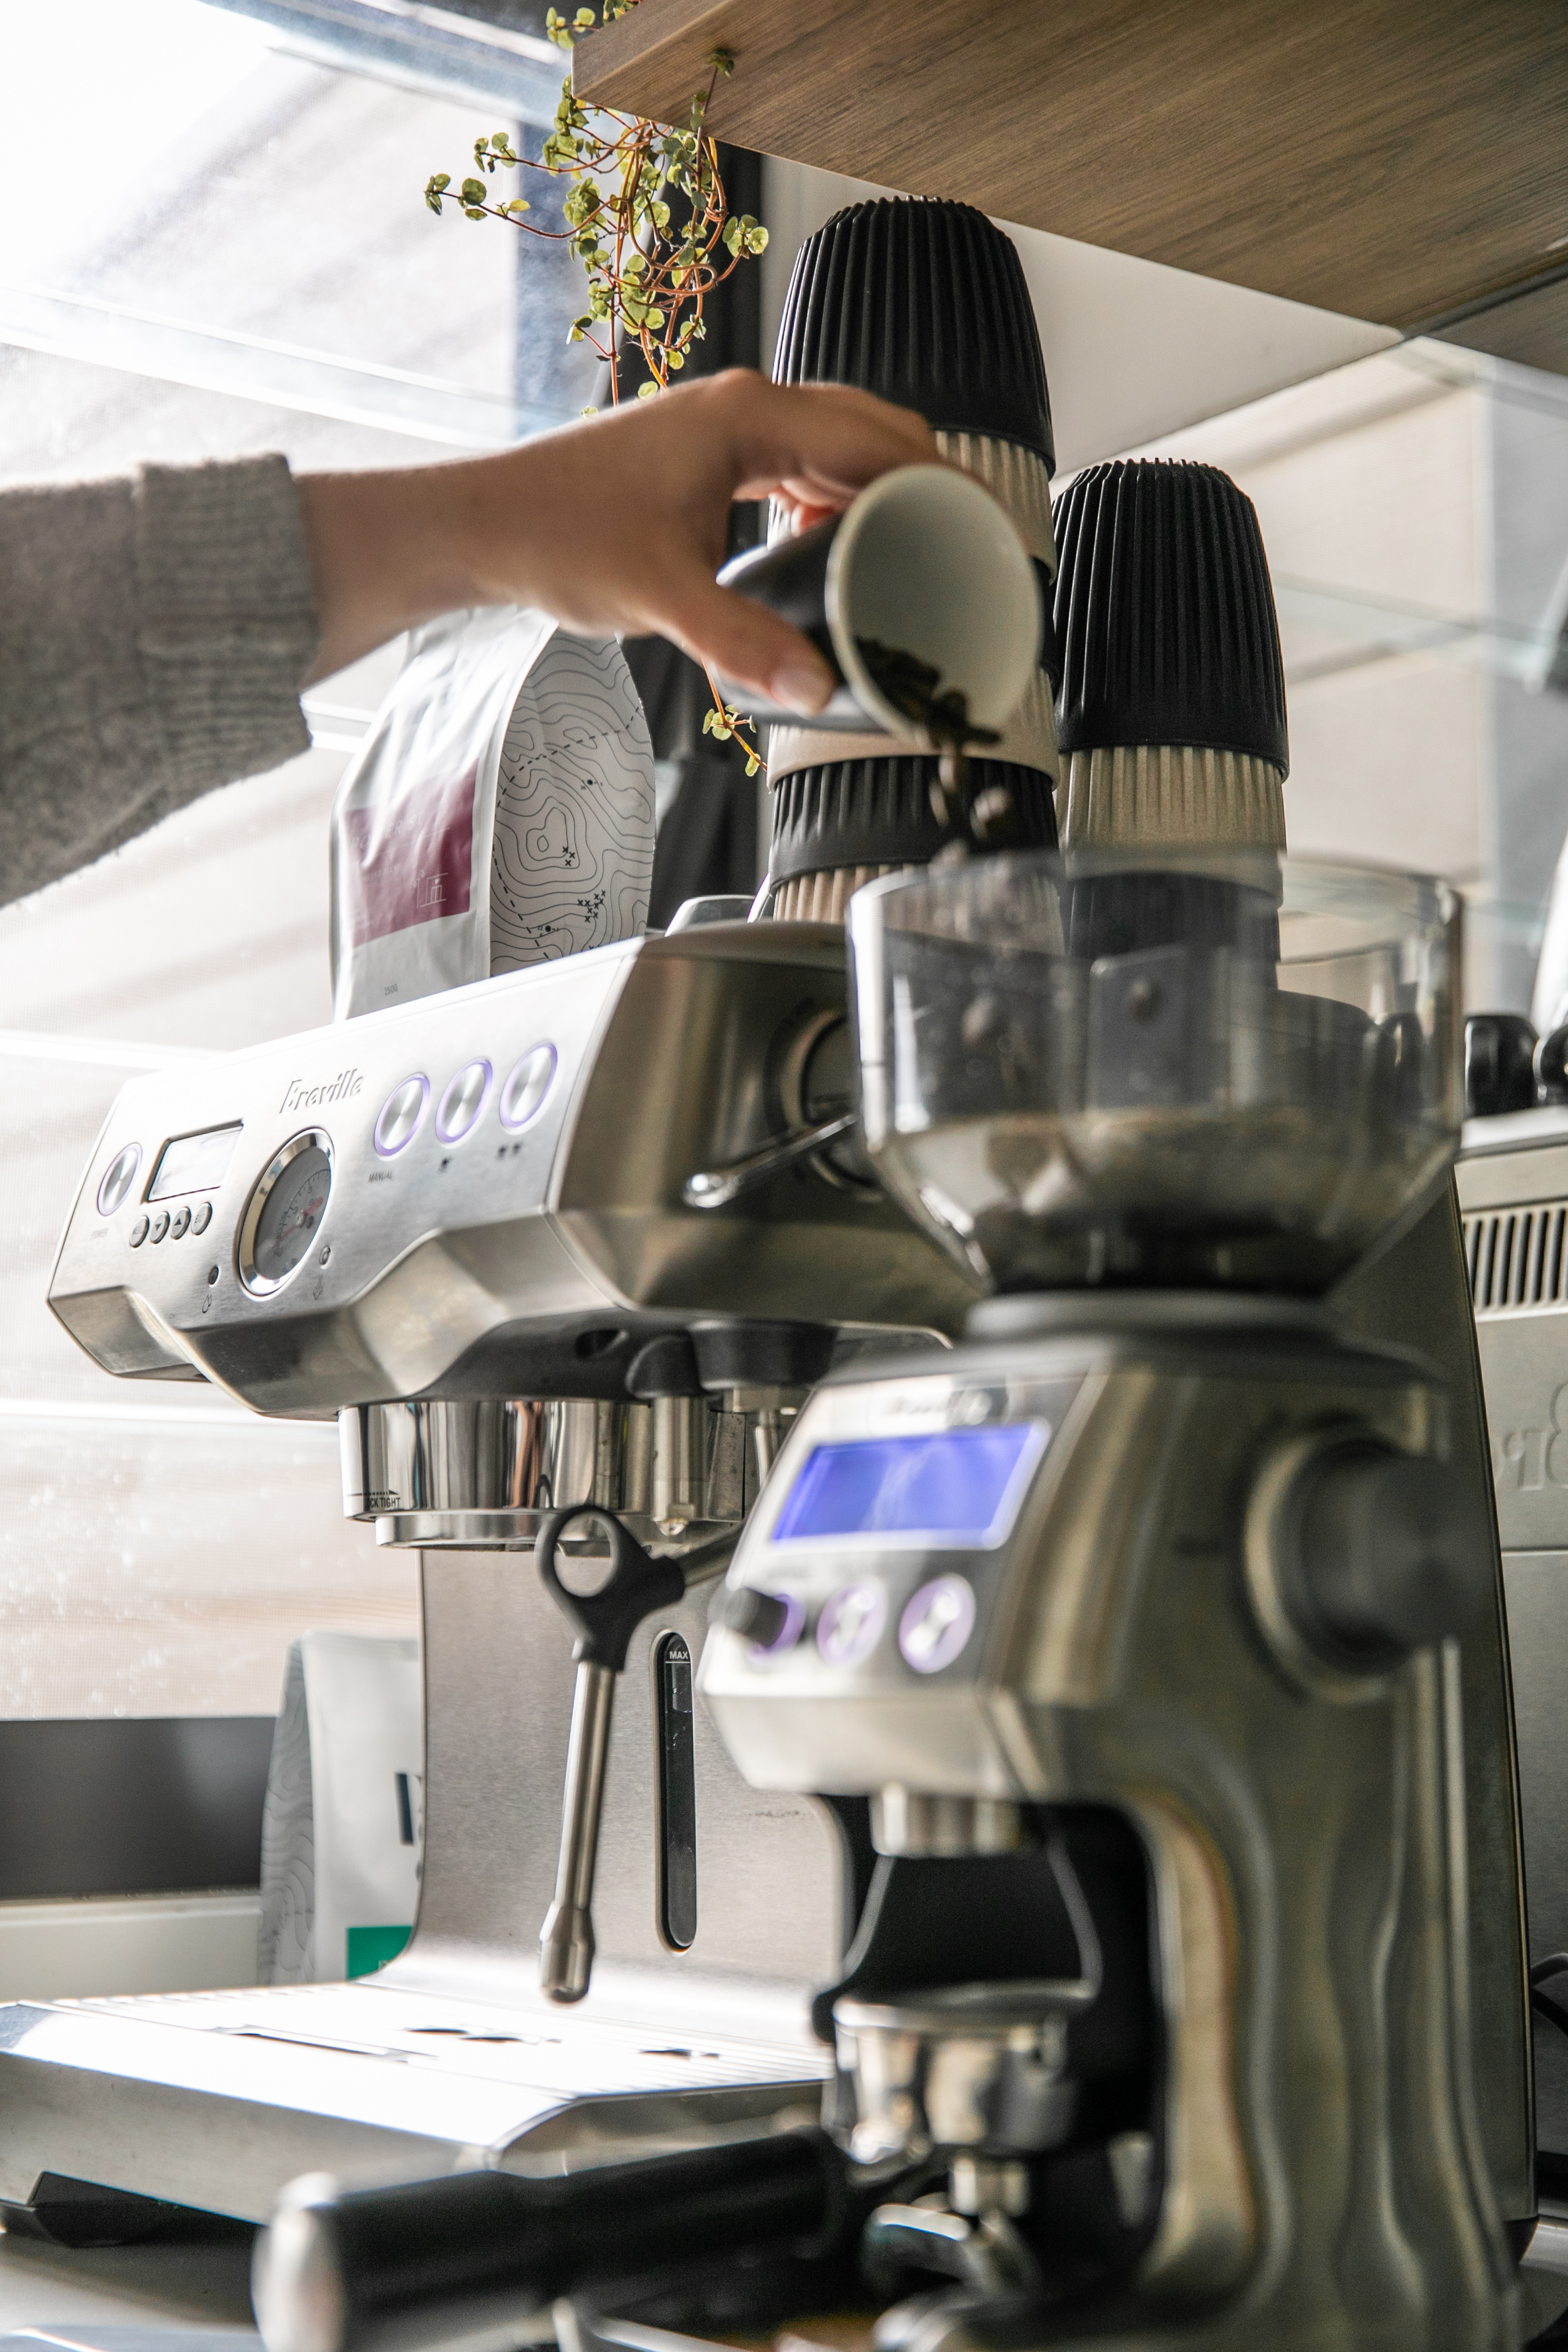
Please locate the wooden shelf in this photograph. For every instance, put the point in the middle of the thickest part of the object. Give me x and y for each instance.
(1400, 161)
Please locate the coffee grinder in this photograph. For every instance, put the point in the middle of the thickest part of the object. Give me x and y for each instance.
(1136, 1618)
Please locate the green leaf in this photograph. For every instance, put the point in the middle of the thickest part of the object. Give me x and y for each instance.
(473, 192)
(646, 391)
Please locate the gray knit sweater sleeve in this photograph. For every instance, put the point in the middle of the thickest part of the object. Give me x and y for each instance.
(153, 634)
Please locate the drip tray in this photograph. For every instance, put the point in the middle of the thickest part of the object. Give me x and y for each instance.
(217, 2100)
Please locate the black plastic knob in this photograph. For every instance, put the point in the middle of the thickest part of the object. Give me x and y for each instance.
(1551, 1066)
(1500, 1065)
(1391, 1552)
(758, 1617)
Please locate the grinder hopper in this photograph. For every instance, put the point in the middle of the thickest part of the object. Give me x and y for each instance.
(1225, 1068)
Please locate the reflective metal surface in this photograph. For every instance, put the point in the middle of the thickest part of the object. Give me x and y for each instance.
(448, 1474)
(520, 1259)
(1513, 1189)
(1322, 2171)
(451, 2054)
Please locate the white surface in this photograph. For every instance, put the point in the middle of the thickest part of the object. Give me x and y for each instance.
(145, 1944)
(1133, 349)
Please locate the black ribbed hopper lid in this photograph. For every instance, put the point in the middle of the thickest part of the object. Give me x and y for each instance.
(923, 302)
(1165, 614)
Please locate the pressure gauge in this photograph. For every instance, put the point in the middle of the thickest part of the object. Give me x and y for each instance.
(284, 1213)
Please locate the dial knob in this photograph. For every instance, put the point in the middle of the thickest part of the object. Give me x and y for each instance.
(1391, 1552)
(1499, 1070)
(764, 1619)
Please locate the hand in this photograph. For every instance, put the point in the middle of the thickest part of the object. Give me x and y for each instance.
(618, 523)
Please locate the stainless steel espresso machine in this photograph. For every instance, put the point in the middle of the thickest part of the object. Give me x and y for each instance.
(480, 1206)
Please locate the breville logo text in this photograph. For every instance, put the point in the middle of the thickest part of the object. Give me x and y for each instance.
(299, 1097)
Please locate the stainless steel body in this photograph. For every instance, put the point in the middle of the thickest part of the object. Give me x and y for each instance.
(1110, 1643)
(1513, 1191)
(520, 1259)
(455, 1475)
(472, 1308)
(451, 2055)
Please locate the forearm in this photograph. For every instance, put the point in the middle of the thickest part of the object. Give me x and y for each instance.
(153, 634)
(615, 525)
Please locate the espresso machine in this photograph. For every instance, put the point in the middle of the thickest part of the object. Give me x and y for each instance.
(452, 1204)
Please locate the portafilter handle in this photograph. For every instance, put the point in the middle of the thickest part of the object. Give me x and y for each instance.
(435, 2263)
(605, 1621)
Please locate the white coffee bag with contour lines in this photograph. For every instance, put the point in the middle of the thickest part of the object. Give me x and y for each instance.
(500, 813)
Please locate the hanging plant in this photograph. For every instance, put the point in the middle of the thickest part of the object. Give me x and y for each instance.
(646, 216)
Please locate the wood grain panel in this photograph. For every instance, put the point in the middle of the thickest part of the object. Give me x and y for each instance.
(1392, 159)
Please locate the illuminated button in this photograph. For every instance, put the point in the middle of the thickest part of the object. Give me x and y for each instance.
(181, 1226)
(400, 1115)
(464, 1100)
(527, 1088)
(160, 1224)
(201, 1217)
(139, 1231)
(936, 1623)
(118, 1178)
(850, 1627)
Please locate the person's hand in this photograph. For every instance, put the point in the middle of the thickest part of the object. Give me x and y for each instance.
(618, 523)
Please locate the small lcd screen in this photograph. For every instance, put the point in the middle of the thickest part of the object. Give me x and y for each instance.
(953, 1487)
(193, 1163)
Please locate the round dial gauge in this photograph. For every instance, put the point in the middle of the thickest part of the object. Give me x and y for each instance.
(284, 1212)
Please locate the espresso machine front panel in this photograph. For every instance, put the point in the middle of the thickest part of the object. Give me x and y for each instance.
(454, 1198)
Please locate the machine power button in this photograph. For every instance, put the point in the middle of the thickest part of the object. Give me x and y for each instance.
(400, 1115)
(936, 1623)
(850, 1626)
(118, 1178)
(524, 1092)
(463, 1101)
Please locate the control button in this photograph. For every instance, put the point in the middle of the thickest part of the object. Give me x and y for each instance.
(850, 1627)
(139, 1231)
(400, 1115)
(201, 1217)
(526, 1089)
(464, 1100)
(160, 1224)
(936, 1623)
(181, 1226)
(118, 1178)
(771, 1622)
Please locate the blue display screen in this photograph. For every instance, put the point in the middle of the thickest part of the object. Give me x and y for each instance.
(953, 1486)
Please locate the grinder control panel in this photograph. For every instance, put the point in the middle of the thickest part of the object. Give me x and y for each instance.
(876, 1570)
